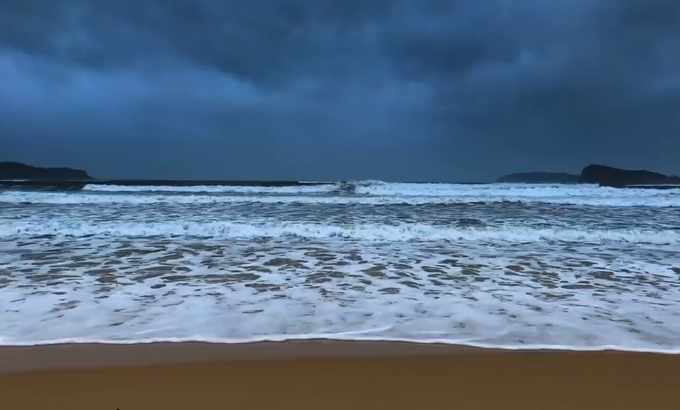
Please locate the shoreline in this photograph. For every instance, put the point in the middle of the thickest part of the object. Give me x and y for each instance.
(331, 375)
(76, 355)
(64, 356)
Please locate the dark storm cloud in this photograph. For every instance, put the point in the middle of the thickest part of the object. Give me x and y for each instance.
(355, 89)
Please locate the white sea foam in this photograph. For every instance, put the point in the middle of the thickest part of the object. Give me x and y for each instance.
(364, 232)
(490, 313)
(380, 194)
(109, 290)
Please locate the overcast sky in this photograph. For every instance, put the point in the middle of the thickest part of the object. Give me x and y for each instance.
(397, 90)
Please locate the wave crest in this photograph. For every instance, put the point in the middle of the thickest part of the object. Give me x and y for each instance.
(363, 232)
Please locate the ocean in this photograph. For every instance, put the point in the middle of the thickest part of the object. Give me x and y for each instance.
(513, 266)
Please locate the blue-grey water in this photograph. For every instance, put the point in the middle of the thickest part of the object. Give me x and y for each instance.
(506, 265)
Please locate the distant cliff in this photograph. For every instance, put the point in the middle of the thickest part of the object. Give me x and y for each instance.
(540, 178)
(615, 177)
(16, 170)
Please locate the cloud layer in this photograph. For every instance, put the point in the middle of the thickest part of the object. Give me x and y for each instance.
(432, 90)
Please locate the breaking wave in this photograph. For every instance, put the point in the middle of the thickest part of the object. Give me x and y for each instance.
(589, 196)
(363, 232)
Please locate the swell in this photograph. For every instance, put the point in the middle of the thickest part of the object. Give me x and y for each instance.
(245, 189)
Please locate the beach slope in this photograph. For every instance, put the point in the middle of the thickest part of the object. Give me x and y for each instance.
(331, 375)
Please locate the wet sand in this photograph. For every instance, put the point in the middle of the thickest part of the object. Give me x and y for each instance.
(331, 375)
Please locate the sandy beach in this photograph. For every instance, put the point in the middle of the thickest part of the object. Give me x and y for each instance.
(331, 375)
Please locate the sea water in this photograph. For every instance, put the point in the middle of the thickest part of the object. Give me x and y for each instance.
(504, 265)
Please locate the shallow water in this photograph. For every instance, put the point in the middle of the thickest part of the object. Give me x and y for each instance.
(571, 266)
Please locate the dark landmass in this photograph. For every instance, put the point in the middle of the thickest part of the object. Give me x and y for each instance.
(599, 174)
(21, 176)
(615, 177)
(540, 178)
(16, 170)
(16, 175)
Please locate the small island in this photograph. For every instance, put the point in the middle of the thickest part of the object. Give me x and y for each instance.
(17, 170)
(598, 174)
(18, 175)
(621, 178)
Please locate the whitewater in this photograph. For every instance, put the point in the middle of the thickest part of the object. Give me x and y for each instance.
(513, 266)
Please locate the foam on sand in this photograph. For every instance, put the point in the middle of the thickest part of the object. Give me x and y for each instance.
(515, 295)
